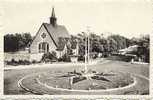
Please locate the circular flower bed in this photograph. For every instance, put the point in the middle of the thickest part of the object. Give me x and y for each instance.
(76, 83)
(80, 82)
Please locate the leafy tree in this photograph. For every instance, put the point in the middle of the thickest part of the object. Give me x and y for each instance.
(15, 42)
(10, 43)
(113, 44)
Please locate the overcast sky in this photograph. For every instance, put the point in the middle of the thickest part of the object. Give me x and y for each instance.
(125, 17)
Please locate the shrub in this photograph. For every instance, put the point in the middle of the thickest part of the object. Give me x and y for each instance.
(20, 62)
(26, 62)
(77, 79)
(13, 62)
(49, 57)
(81, 58)
(65, 58)
(34, 61)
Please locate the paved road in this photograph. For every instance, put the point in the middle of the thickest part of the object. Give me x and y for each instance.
(13, 74)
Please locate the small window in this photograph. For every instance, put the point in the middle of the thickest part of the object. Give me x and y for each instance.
(43, 35)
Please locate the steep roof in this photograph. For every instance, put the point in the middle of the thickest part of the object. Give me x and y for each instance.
(61, 44)
(56, 32)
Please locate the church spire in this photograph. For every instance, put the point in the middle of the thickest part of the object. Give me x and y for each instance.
(53, 18)
(53, 12)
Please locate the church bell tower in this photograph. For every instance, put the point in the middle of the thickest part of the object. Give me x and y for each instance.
(53, 18)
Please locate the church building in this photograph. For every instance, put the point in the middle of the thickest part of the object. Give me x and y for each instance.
(50, 37)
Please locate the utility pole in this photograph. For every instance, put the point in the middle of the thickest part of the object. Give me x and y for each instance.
(88, 36)
(85, 68)
(87, 49)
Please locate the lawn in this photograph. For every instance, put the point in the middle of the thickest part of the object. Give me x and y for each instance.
(12, 76)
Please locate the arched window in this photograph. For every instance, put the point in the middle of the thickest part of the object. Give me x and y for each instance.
(43, 47)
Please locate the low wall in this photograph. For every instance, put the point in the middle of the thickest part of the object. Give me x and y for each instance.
(36, 57)
(22, 56)
(16, 56)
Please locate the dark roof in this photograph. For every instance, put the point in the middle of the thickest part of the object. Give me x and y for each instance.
(61, 43)
(56, 32)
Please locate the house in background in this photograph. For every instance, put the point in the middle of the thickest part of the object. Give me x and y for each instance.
(50, 37)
